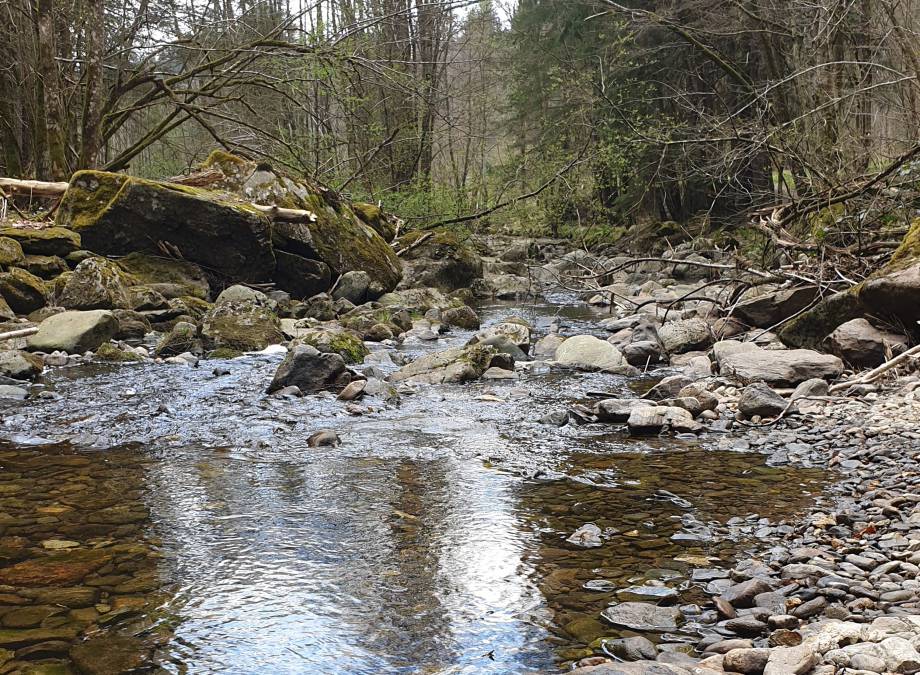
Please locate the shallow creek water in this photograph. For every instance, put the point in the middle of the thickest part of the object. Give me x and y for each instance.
(178, 519)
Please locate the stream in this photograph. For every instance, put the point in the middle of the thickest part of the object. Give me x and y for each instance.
(432, 540)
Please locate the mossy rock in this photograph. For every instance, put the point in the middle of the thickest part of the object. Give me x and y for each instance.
(373, 215)
(97, 283)
(224, 353)
(170, 277)
(109, 352)
(338, 236)
(23, 292)
(145, 298)
(182, 338)
(6, 312)
(336, 340)
(191, 306)
(10, 252)
(59, 241)
(44, 266)
(244, 323)
(441, 260)
(117, 215)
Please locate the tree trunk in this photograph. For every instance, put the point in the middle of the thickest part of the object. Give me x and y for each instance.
(51, 93)
(92, 97)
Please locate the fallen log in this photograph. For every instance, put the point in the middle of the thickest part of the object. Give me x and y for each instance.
(46, 189)
(873, 375)
(22, 332)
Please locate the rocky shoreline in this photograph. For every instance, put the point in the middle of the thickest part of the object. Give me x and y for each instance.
(834, 592)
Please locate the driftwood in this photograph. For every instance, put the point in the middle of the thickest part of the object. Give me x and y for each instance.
(875, 374)
(37, 188)
(22, 332)
(415, 243)
(45, 189)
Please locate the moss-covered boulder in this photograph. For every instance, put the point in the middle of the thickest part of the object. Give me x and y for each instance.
(6, 312)
(336, 235)
(300, 276)
(440, 258)
(167, 276)
(131, 325)
(241, 319)
(145, 298)
(190, 306)
(366, 320)
(115, 354)
(334, 339)
(22, 291)
(97, 283)
(891, 294)
(10, 252)
(117, 215)
(59, 241)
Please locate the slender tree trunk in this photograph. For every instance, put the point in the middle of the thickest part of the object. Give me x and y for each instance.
(53, 123)
(92, 99)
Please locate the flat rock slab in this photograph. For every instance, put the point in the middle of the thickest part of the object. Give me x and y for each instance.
(777, 367)
(642, 616)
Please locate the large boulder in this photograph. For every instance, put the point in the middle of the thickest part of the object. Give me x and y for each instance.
(97, 283)
(860, 343)
(310, 370)
(439, 258)
(517, 331)
(170, 277)
(116, 214)
(23, 292)
(777, 367)
(586, 352)
(335, 235)
(333, 339)
(74, 332)
(460, 364)
(183, 337)
(57, 241)
(242, 319)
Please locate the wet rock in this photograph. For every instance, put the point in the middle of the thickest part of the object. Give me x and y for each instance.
(310, 370)
(655, 419)
(746, 626)
(647, 594)
(12, 392)
(460, 364)
(20, 365)
(643, 353)
(860, 343)
(688, 335)
(809, 388)
(494, 373)
(59, 569)
(324, 439)
(74, 332)
(57, 241)
(23, 292)
(97, 283)
(758, 399)
(182, 338)
(241, 319)
(115, 354)
(556, 418)
(586, 352)
(668, 387)
(750, 363)
(515, 331)
(109, 655)
(14, 638)
(640, 616)
(145, 298)
(333, 339)
(617, 410)
(587, 536)
(461, 317)
(352, 390)
(631, 648)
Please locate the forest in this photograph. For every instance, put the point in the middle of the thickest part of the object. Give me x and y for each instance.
(601, 114)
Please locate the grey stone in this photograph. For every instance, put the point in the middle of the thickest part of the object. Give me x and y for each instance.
(74, 332)
(641, 616)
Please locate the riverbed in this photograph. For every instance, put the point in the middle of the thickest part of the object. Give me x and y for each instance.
(433, 539)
